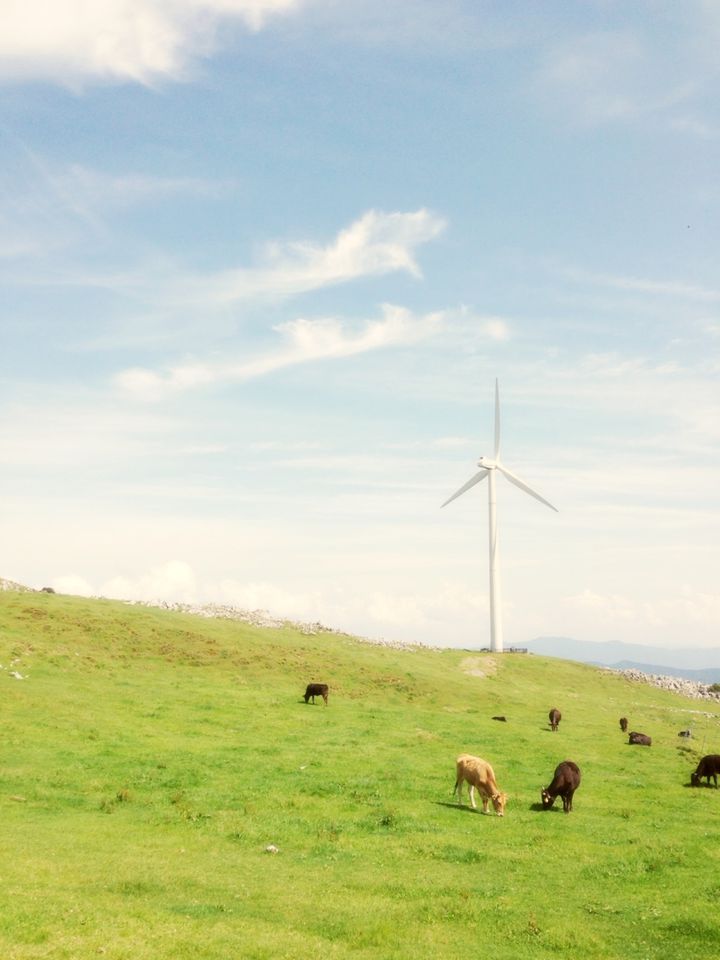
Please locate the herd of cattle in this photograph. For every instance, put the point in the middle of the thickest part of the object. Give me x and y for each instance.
(480, 776)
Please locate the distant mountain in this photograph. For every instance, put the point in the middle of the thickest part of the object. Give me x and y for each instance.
(693, 663)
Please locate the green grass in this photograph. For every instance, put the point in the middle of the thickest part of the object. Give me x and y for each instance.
(149, 759)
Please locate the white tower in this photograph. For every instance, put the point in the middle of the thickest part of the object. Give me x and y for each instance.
(488, 469)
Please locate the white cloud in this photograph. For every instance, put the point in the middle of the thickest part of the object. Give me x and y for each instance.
(376, 244)
(687, 608)
(172, 581)
(73, 584)
(74, 41)
(304, 341)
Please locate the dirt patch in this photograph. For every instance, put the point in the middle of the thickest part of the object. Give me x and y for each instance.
(479, 666)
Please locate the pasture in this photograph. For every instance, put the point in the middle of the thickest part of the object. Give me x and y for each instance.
(150, 758)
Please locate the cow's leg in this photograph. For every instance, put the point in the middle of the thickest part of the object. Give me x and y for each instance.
(458, 789)
(472, 797)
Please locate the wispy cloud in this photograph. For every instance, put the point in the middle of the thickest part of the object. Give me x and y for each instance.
(594, 74)
(73, 42)
(100, 189)
(45, 205)
(304, 341)
(619, 75)
(644, 285)
(376, 244)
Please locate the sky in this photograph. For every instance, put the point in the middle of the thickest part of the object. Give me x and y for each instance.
(262, 261)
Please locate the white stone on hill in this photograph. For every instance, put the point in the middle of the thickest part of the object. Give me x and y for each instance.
(686, 688)
(16, 587)
(261, 618)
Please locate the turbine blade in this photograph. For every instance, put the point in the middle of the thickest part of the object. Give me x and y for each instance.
(497, 421)
(523, 486)
(466, 486)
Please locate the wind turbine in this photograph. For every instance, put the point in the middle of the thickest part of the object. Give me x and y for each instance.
(488, 468)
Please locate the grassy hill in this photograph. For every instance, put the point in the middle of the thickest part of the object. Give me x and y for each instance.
(150, 758)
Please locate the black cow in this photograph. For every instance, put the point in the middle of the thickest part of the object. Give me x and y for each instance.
(623, 724)
(316, 690)
(685, 733)
(501, 719)
(640, 739)
(564, 784)
(708, 767)
(554, 717)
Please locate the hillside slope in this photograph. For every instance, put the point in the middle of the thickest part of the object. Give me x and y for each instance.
(151, 758)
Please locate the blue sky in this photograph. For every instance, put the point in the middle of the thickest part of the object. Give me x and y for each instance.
(262, 261)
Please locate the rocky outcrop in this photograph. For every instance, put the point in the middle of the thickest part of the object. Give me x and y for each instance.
(686, 688)
(15, 587)
(261, 618)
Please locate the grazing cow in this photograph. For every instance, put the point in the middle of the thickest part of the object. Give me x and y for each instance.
(316, 690)
(685, 733)
(554, 717)
(479, 774)
(564, 784)
(623, 724)
(502, 719)
(641, 739)
(708, 767)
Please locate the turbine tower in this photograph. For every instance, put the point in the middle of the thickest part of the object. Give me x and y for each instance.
(488, 468)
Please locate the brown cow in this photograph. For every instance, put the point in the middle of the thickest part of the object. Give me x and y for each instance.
(623, 724)
(564, 784)
(316, 690)
(479, 774)
(554, 717)
(640, 739)
(708, 767)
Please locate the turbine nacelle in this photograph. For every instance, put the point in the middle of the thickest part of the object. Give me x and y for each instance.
(487, 464)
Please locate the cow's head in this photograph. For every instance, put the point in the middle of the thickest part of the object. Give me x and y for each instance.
(694, 780)
(547, 799)
(498, 801)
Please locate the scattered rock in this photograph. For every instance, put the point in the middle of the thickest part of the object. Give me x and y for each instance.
(271, 848)
(686, 688)
(261, 618)
(16, 675)
(15, 587)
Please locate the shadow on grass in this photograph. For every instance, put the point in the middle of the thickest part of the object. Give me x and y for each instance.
(460, 807)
